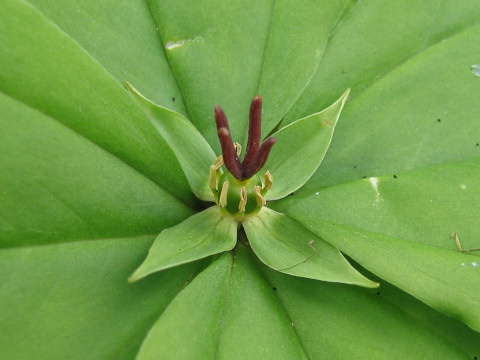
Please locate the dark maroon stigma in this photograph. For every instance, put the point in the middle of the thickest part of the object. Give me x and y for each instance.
(256, 154)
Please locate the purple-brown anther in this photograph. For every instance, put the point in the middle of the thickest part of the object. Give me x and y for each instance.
(256, 154)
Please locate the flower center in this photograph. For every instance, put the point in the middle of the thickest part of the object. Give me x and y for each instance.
(240, 191)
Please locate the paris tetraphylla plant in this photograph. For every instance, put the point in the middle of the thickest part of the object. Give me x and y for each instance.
(239, 191)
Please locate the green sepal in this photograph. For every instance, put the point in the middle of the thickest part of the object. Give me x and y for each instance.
(191, 149)
(300, 149)
(201, 235)
(286, 246)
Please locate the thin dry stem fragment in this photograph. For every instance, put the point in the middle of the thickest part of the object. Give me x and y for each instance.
(315, 252)
(459, 244)
(223, 194)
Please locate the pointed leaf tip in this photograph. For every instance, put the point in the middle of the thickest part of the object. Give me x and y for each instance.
(201, 235)
(287, 246)
(191, 149)
(310, 138)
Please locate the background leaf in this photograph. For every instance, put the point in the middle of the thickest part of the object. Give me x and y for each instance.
(400, 228)
(56, 186)
(73, 301)
(200, 328)
(54, 75)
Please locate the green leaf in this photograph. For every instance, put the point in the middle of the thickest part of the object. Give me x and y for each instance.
(71, 301)
(54, 75)
(227, 298)
(400, 229)
(300, 149)
(57, 186)
(192, 150)
(121, 34)
(413, 102)
(298, 35)
(334, 321)
(286, 246)
(201, 235)
(216, 55)
(193, 318)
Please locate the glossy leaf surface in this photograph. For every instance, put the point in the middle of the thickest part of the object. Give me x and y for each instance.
(286, 246)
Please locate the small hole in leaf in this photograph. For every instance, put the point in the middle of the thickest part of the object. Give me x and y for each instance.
(291, 194)
(395, 176)
(439, 120)
(378, 292)
(354, 166)
(475, 358)
(477, 144)
(173, 99)
(274, 288)
(364, 177)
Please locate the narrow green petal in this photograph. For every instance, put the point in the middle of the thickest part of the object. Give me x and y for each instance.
(300, 149)
(286, 246)
(201, 235)
(190, 147)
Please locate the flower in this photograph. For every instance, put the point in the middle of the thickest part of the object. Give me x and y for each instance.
(240, 195)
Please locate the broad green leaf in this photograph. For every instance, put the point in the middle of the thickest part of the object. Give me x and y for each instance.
(215, 50)
(300, 149)
(420, 112)
(227, 312)
(201, 235)
(334, 321)
(400, 229)
(254, 323)
(192, 150)
(125, 42)
(299, 32)
(452, 330)
(71, 301)
(286, 246)
(190, 327)
(53, 74)
(374, 39)
(57, 186)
